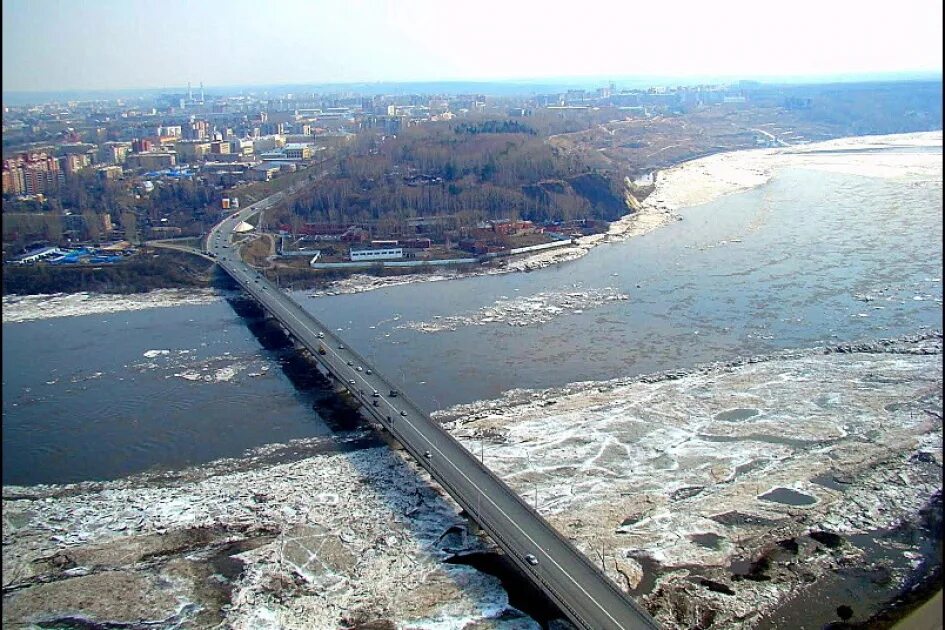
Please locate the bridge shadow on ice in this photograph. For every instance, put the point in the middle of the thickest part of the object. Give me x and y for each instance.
(430, 517)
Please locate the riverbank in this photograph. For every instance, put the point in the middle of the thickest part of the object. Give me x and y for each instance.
(686, 185)
(148, 270)
(707, 179)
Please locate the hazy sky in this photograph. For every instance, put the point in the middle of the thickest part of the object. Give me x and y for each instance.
(110, 44)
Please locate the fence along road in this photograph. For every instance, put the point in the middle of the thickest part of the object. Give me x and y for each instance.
(588, 598)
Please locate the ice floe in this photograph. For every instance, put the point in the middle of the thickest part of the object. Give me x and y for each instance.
(539, 308)
(23, 308)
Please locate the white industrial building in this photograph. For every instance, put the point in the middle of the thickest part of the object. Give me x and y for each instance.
(40, 254)
(387, 253)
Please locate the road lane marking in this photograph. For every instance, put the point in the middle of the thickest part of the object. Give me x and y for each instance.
(464, 476)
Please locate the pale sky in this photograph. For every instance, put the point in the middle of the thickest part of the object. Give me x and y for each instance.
(113, 44)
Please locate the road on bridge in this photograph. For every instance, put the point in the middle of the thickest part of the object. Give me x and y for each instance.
(583, 592)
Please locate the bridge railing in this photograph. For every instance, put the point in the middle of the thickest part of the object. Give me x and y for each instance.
(470, 504)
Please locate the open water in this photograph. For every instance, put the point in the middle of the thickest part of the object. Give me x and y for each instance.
(810, 258)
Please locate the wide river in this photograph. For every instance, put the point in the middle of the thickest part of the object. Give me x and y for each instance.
(810, 258)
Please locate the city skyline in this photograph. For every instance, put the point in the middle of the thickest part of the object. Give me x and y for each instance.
(146, 45)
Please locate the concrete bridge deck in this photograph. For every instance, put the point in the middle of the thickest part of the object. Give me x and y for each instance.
(583, 592)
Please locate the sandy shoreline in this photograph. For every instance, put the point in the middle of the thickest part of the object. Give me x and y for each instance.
(706, 179)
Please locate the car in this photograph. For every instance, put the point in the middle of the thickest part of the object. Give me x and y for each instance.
(427, 454)
(321, 335)
(368, 372)
(351, 381)
(350, 363)
(375, 394)
(403, 413)
(341, 346)
(393, 393)
(531, 559)
(359, 369)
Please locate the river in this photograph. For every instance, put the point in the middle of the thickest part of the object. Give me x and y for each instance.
(809, 258)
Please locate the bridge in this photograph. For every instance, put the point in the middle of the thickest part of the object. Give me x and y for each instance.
(588, 598)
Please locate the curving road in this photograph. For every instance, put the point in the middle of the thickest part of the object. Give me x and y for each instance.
(584, 594)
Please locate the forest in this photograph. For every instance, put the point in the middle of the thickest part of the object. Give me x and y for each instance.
(487, 169)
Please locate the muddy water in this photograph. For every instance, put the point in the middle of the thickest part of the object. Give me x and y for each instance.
(809, 258)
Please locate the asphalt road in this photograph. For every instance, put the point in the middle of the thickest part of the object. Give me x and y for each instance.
(584, 594)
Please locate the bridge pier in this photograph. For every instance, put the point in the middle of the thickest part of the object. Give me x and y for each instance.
(472, 528)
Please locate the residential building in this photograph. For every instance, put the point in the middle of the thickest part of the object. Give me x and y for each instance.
(73, 163)
(110, 172)
(268, 143)
(152, 161)
(30, 173)
(241, 147)
(192, 151)
(220, 147)
(298, 151)
(113, 152)
(171, 130)
(197, 130)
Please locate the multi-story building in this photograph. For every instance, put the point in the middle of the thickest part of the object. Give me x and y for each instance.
(175, 131)
(142, 145)
(241, 147)
(273, 128)
(219, 147)
(30, 173)
(197, 130)
(192, 151)
(73, 163)
(13, 182)
(113, 152)
(152, 161)
(268, 143)
(110, 172)
(298, 151)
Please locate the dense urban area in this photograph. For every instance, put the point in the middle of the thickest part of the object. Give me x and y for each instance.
(95, 192)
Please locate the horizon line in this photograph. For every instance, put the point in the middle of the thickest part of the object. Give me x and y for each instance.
(841, 76)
